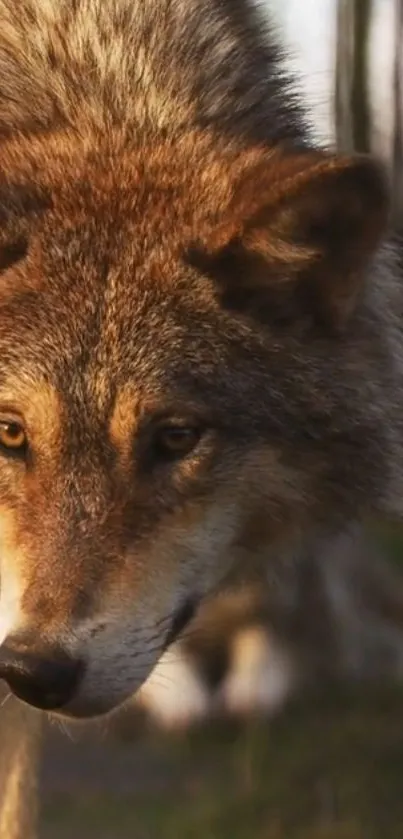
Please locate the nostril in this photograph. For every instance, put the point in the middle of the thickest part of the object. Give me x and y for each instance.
(46, 677)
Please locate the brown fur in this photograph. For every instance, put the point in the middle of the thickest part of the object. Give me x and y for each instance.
(147, 65)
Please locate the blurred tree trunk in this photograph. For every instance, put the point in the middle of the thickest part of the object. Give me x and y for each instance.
(397, 163)
(353, 123)
(352, 98)
(20, 752)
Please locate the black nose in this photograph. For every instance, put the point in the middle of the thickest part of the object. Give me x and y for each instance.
(41, 675)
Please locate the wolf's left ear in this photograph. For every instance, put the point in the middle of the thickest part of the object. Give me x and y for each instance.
(301, 225)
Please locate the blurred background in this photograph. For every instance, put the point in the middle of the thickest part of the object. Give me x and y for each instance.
(221, 744)
(349, 56)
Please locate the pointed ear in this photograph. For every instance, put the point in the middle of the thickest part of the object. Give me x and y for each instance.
(20, 207)
(300, 227)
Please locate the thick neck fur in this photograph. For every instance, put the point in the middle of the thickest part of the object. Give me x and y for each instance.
(173, 62)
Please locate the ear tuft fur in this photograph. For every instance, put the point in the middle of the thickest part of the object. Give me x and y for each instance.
(311, 220)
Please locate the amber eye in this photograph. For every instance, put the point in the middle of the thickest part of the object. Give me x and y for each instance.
(12, 436)
(174, 441)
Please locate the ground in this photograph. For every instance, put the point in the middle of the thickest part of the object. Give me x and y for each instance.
(328, 768)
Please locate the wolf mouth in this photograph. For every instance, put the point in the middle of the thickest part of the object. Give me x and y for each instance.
(183, 616)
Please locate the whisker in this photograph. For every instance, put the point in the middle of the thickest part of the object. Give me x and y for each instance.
(65, 729)
(5, 700)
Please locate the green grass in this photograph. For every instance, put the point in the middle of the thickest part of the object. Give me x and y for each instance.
(327, 769)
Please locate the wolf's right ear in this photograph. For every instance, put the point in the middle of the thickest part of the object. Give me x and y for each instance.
(300, 229)
(20, 206)
(13, 249)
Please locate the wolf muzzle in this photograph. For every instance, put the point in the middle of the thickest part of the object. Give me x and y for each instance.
(38, 673)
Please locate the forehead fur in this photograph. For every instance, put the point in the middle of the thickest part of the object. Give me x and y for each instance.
(97, 212)
(105, 284)
(193, 175)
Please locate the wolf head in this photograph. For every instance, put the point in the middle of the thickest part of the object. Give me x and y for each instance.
(188, 375)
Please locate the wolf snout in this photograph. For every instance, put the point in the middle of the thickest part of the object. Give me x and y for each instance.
(42, 675)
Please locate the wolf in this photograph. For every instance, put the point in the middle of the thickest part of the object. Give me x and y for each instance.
(200, 335)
